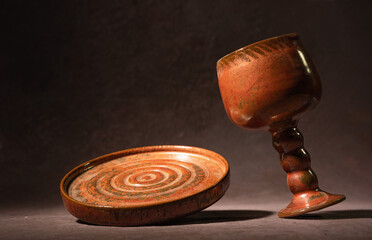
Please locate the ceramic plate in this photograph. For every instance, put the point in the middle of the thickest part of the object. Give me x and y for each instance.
(145, 185)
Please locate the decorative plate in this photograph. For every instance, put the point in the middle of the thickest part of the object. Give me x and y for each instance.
(146, 185)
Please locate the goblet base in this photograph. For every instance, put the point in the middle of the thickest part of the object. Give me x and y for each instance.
(308, 201)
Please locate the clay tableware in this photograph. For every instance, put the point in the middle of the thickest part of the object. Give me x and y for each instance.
(146, 185)
(270, 85)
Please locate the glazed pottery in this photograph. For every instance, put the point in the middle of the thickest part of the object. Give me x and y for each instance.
(146, 185)
(270, 85)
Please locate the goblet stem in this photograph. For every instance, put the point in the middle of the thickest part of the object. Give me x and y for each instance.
(295, 160)
(301, 179)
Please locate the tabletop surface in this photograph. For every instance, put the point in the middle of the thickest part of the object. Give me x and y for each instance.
(224, 220)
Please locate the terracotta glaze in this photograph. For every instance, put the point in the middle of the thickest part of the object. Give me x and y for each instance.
(270, 85)
(147, 185)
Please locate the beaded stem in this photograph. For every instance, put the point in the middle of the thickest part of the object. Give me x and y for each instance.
(294, 159)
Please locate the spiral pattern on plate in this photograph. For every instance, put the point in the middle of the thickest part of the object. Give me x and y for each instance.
(143, 179)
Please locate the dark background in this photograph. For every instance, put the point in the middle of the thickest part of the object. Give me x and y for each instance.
(80, 79)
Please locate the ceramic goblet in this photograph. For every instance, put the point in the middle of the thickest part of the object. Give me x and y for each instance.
(270, 85)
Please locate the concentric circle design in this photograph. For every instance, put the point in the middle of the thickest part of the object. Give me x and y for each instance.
(146, 178)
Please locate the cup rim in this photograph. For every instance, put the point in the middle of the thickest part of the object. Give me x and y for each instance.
(242, 49)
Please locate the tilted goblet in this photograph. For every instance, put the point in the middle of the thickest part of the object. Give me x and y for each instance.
(270, 85)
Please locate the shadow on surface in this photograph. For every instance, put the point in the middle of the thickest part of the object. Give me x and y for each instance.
(210, 216)
(341, 214)
(215, 216)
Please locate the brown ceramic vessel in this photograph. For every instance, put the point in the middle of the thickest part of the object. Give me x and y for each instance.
(270, 85)
(146, 185)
